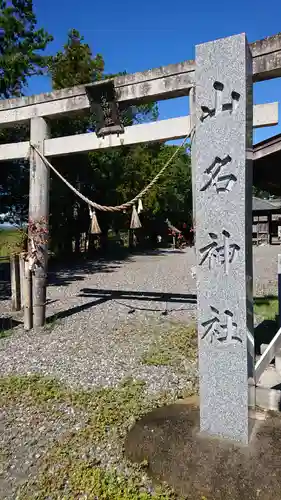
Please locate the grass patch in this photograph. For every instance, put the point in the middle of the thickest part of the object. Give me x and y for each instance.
(173, 347)
(11, 240)
(73, 467)
(266, 307)
(5, 333)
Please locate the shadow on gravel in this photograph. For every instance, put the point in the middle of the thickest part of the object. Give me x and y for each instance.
(182, 298)
(102, 296)
(8, 323)
(62, 273)
(5, 287)
(75, 310)
(167, 298)
(5, 290)
(66, 276)
(264, 333)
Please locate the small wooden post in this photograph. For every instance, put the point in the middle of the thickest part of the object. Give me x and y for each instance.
(27, 290)
(22, 259)
(15, 282)
(39, 214)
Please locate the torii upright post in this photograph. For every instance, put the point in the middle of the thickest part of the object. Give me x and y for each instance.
(222, 156)
(39, 217)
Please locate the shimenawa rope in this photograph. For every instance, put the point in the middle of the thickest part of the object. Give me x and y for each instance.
(124, 206)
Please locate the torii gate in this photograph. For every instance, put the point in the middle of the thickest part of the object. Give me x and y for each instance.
(183, 79)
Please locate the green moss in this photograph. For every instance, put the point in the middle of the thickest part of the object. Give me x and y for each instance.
(172, 348)
(69, 469)
(91, 481)
(35, 389)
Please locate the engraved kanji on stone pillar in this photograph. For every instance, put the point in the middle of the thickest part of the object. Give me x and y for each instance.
(219, 178)
(217, 254)
(221, 331)
(223, 168)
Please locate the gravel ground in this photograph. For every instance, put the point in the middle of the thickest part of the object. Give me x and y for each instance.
(97, 339)
(26, 434)
(98, 329)
(91, 307)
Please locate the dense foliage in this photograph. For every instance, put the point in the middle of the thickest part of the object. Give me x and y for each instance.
(21, 44)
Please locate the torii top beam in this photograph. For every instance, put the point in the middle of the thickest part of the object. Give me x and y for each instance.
(166, 82)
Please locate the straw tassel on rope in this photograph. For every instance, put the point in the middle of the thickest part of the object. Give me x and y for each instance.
(135, 220)
(140, 206)
(94, 228)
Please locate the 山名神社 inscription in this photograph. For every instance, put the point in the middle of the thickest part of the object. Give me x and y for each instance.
(217, 254)
(223, 332)
(220, 106)
(217, 177)
(223, 79)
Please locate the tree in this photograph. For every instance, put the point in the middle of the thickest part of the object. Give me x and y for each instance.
(21, 45)
(75, 65)
(260, 193)
(171, 196)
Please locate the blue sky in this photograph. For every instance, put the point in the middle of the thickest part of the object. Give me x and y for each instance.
(135, 36)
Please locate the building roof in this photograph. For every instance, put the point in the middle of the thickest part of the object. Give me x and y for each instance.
(171, 227)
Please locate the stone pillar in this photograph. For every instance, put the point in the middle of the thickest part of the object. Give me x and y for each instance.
(222, 155)
(39, 217)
